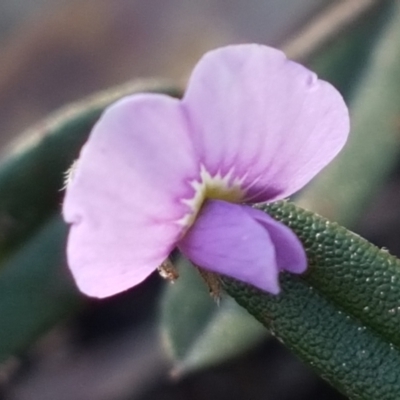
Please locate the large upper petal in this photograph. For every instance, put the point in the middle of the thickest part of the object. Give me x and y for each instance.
(124, 199)
(268, 119)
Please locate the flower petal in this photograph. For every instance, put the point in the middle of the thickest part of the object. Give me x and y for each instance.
(265, 118)
(124, 198)
(226, 239)
(290, 254)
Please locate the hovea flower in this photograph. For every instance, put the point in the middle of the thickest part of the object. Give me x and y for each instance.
(159, 173)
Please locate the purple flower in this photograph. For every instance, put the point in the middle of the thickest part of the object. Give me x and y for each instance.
(159, 173)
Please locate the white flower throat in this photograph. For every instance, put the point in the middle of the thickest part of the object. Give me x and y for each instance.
(221, 187)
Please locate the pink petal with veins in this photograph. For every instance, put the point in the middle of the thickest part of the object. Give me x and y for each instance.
(267, 118)
(125, 198)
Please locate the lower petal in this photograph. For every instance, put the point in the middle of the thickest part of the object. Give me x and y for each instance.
(227, 239)
(290, 254)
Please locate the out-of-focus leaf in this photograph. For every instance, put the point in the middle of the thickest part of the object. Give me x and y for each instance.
(341, 317)
(35, 288)
(196, 331)
(348, 185)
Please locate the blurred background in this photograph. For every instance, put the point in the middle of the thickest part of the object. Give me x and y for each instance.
(58, 51)
(55, 51)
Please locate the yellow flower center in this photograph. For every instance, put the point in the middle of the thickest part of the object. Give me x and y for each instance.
(212, 187)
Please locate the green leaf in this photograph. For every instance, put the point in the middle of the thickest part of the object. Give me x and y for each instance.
(345, 62)
(342, 316)
(196, 331)
(356, 275)
(350, 356)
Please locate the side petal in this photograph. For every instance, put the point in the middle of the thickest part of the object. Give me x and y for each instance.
(290, 254)
(124, 198)
(263, 118)
(227, 240)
